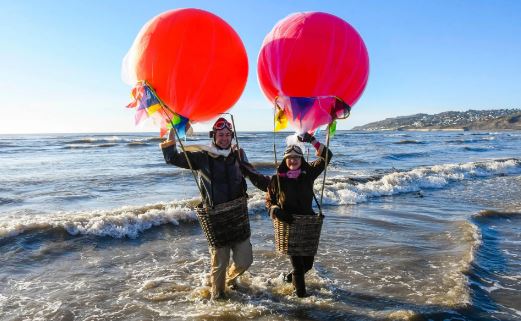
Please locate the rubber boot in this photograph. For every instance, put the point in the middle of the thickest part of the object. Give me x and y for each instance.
(219, 296)
(300, 285)
(288, 278)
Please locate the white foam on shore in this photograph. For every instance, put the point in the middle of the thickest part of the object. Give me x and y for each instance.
(130, 221)
(342, 191)
(127, 221)
(457, 276)
(96, 140)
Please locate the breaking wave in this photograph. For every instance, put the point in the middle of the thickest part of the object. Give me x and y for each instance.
(130, 221)
(345, 190)
(496, 214)
(409, 141)
(89, 142)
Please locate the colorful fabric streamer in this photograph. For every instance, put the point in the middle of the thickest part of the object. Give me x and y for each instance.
(332, 128)
(145, 101)
(306, 114)
(148, 105)
(281, 121)
(181, 125)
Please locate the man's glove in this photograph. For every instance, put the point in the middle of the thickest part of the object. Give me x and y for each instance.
(170, 141)
(171, 134)
(306, 138)
(281, 215)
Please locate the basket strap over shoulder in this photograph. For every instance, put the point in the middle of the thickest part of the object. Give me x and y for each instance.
(318, 204)
(210, 167)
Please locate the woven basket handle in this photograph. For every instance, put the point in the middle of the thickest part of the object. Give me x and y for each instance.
(318, 205)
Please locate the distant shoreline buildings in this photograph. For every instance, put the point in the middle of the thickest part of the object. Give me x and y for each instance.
(495, 119)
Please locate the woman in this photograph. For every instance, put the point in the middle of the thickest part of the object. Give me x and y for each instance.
(295, 197)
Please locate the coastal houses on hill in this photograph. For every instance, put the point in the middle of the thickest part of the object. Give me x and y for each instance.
(497, 119)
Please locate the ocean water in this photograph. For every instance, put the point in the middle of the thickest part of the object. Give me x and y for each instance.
(419, 226)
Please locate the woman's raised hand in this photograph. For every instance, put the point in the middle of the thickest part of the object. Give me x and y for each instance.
(306, 138)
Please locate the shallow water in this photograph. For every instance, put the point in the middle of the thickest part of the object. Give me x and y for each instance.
(418, 226)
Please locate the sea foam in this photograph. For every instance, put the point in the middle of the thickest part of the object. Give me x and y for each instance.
(341, 189)
(130, 221)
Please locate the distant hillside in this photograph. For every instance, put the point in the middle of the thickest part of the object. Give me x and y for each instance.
(499, 119)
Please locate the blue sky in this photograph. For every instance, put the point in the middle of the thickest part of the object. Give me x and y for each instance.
(61, 60)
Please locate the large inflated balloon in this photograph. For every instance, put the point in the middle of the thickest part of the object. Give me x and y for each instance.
(313, 54)
(194, 60)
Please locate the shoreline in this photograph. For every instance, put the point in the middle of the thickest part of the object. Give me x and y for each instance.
(436, 130)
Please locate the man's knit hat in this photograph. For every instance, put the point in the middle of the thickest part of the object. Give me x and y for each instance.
(222, 123)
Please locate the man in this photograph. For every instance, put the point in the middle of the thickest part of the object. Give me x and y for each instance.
(221, 180)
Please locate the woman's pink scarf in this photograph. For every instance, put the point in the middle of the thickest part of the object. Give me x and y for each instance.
(293, 174)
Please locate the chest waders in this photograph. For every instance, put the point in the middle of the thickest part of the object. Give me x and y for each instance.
(226, 223)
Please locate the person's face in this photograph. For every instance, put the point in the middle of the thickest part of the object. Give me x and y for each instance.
(223, 138)
(293, 162)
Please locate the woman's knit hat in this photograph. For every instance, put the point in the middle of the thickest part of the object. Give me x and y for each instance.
(293, 150)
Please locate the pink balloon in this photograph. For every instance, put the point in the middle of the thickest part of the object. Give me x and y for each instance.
(313, 54)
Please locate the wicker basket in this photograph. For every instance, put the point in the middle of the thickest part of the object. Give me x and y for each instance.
(300, 237)
(226, 223)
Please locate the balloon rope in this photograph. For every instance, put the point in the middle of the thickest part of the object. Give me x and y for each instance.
(325, 167)
(275, 150)
(327, 148)
(237, 141)
(165, 108)
(235, 134)
(190, 165)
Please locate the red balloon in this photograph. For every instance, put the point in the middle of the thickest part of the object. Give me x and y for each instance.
(194, 61)
(313, 54)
